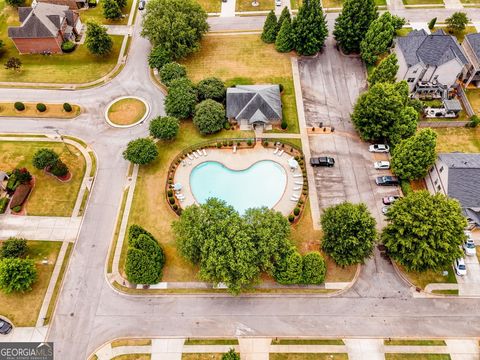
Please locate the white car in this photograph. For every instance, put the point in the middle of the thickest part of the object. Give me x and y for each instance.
(385, 210)
(382, 165)
(460, 267)
(379, 148)
(278, 2)
(469, 247)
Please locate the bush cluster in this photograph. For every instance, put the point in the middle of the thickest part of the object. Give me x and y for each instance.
(172, 71)
(19, 106)
(41, 107)
(14, 248)
(141, 151)
(67, 107)
(3, 204)
(209, 117)
(59, 169)
(68, 46)
(43, 158)
(294, 268)
(164, 127)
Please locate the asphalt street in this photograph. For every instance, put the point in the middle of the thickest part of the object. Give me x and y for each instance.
(90, 312)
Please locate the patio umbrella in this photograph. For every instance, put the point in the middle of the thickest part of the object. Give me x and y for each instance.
(177, 186)
(293, 163)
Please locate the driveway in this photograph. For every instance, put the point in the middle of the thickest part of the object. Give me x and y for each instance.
(469, 284)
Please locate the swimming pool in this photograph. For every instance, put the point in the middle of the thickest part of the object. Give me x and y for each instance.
(262, 184)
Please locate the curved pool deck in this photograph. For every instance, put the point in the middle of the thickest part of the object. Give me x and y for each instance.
(242, 159)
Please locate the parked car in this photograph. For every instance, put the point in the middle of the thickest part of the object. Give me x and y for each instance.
(460, 267)
(382, 165)
(387, 180)
(322, 161)
(379, 148)
(278, 2)
(389, 200)
(141, 5)
(469, 247)
(5, 327)
(385, 210)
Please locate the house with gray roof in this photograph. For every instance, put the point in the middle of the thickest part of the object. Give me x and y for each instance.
(458, 176)
(254, 106)
(430, 63)
(44, 28)
(471, 47)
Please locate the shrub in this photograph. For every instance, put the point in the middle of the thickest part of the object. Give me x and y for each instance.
(68, 46)
(67, 107)
(289, 269)
(164, 127)
(172, 71)
(211, 88)
(12, 183)
(17, 209)
(291, 218)
(296, 211)
(159, 56)
(181, 99)
(175, 207)
(20, 106)
(231, 355)
(41, 107)
(249, 142)
(141, 151)
(405, 186)
(280, 86)
(284, 125)
(227, 125)
(145, 258)
(20, 196)
(314, 269)
(134, 231)
(3, 204)
(14, 248)
(474, 121)
(22, 175)
(17, 274)
(59, 169)
(171, 200)
(44, 157)
(169, 193)
(209, 117)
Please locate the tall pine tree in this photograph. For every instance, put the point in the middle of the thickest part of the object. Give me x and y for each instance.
(111, 10)
(353, 22)
(386, 71)
(285, 15)
(310, 28)
(269, 33)
(285, 41)
(378, 38)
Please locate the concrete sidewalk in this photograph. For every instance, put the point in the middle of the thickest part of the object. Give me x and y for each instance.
(228, 8)
(48, 228)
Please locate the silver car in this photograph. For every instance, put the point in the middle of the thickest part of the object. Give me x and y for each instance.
(382, 165)
(379, 148)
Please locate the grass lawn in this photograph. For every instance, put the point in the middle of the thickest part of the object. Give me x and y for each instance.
(417, 357)
(308, 342)
(246, 59)
(307, 239)
(202, 356)
(339, 3)
(295, 4)
(53, 111)
(422, 2)
(49, 197)
(404, 31)
(150, 209)
(22, 308)
(445, 292)
(126, 111)
(76, 67)
(211, 342)
(211, 6)
(415, 342)
(133, 357)
(309, 356)
(459, 35)
(458, 139)
(422, 279)
(131, 342)
(473, 96)
(246, 5)
(96, 14)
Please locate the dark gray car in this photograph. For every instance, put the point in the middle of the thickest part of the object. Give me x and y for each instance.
(387, 180)
(5, 327)
(322, 161)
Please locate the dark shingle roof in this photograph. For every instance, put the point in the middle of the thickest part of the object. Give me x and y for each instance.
(463, 177)
(44, 20)
(474, 41)
(435, 49)
(255, 103)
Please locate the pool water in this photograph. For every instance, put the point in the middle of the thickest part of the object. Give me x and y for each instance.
(262, 184)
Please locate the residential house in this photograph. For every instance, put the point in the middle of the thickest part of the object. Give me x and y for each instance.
(44, 28)
(431, 64)
(471, 47)
(254, 106)
(458, 176)
(72, 4)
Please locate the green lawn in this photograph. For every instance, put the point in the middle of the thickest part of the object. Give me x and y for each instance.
(96, 14)
(339, 3)
(76, 67)
(459, 35)
(445, 292)
(131, 342)
(211, 6)
(211, 342)
(202, 356)
(23, 308)
(246, 59)
(458, 139)
(422, 279)
(49, 197)
(404, 31)
(473, 96)
(295, 4)
(308, 342)
(415, 342)
(246, 5)
(423, 2)
(309, 356)
(417, 357)
(133, 357)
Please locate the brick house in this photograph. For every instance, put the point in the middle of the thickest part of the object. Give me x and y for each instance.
(44, 28)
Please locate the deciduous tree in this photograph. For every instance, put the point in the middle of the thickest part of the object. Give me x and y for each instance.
(97, 40)
(457, 22)
(353, 22)
(176, 25)
(17, 274)
(349, 233)
(209, 117)
(424, 231)
(413, 157)
(44, 157)
(111, 9)
(13, 63)
(141, 151)
(14, 248)
(211, 88)
(181, 99)
(386, 71)
(172, 71)
(158, 57)
(164, 127)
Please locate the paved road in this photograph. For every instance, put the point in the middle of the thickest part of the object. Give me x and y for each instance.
(91, 313)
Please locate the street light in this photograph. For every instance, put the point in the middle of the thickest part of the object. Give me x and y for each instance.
(63, 140)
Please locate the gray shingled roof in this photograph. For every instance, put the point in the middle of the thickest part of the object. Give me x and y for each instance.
(463, 178)
(435, 49)
(44, 20)
(474, 41)
(255, 103)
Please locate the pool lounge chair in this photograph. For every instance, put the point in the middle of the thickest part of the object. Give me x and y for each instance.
(298, 183)
(196, 155)
(234, 149)
(294, 199)
(190, 157)
(296, 188)
(281, 153)
(276, 150)
(298, 175)
(199, 153)
(204, 152)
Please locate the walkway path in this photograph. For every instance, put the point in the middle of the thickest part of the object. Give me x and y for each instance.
(40, 227)
(228, 8)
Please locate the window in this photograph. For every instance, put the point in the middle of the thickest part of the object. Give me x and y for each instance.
(439, 188)
(415, 71)
(410, 79)
(431, 169)
(435, 77)
(441, 169)
(436, 181)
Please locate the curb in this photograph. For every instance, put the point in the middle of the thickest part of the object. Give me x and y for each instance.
(144, 117)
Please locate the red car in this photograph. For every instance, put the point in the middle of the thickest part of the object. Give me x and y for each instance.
(388, 200)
